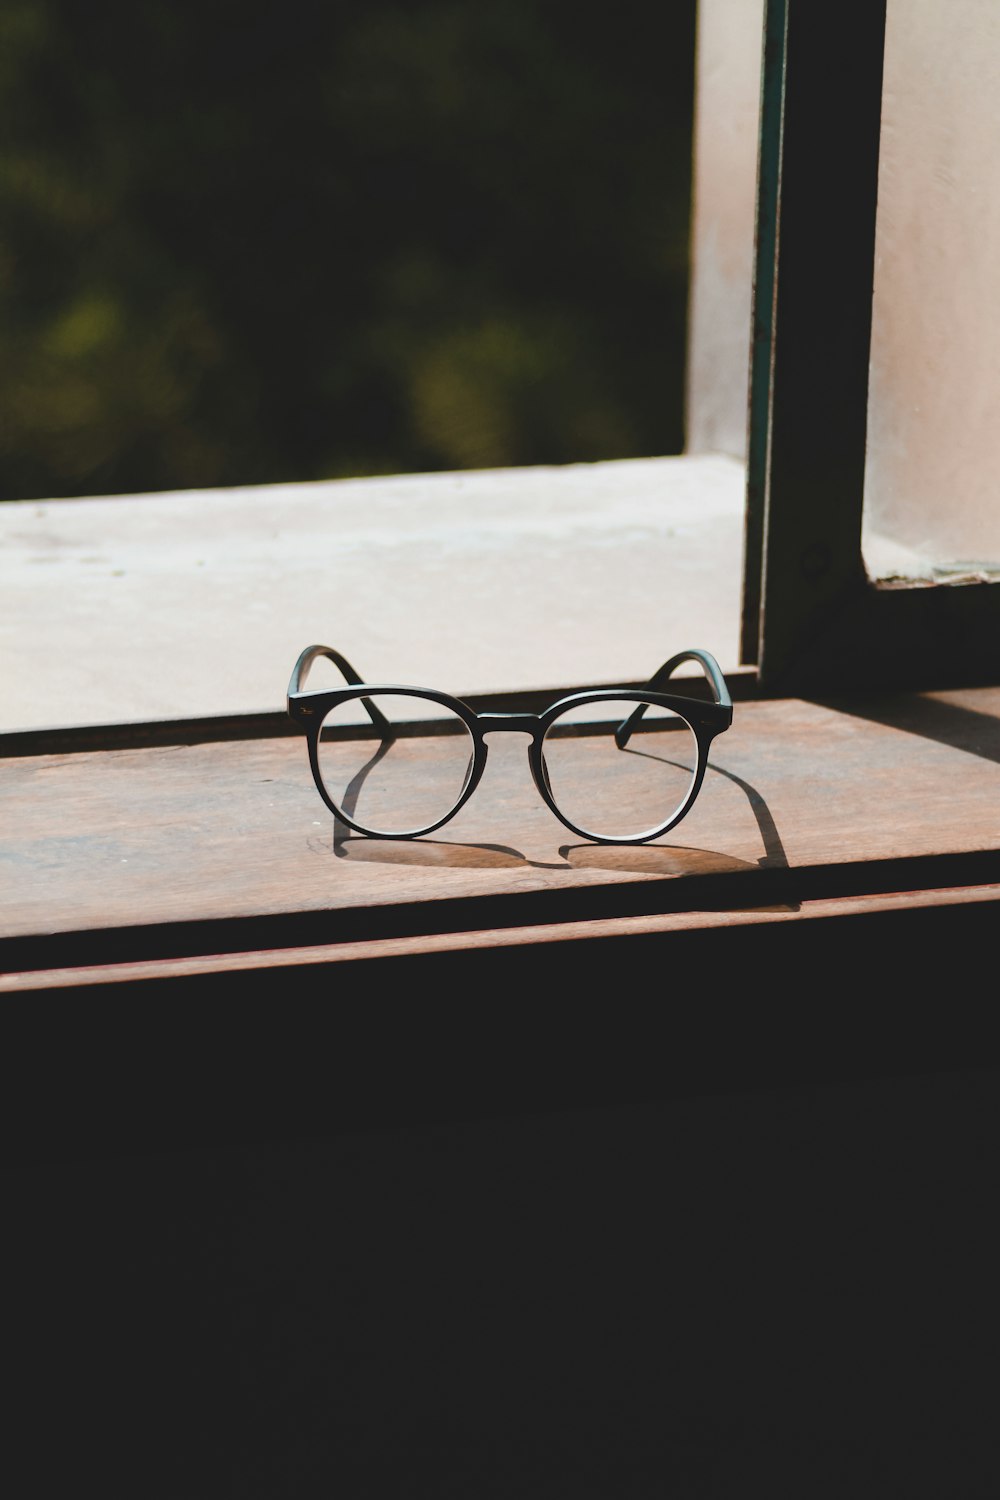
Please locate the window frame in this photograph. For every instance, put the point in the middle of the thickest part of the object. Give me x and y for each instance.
(811, 617)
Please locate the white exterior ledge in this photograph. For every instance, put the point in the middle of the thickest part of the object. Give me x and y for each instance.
(195, 603)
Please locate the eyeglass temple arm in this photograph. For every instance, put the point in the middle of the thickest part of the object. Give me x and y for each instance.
(712, 670)
(301, 671)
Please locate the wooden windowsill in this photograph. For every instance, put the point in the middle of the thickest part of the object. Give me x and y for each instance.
(213, 854)
(188, 958)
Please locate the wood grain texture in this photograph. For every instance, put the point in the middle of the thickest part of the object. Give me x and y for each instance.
(150, 841)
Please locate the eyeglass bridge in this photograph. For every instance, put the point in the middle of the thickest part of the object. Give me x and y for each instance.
(520, 723)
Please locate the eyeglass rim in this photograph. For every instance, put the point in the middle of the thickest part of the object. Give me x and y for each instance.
(705, 720)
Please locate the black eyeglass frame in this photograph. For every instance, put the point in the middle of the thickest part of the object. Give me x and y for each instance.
(705, 719)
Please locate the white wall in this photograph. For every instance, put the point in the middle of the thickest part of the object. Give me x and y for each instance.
(727, 107)
(933, 476)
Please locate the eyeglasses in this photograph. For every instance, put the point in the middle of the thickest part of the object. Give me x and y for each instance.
(615, 765)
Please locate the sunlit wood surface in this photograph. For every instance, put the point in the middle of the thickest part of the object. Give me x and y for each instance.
(184, 852)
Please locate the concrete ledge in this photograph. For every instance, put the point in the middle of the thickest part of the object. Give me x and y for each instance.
(198, 602)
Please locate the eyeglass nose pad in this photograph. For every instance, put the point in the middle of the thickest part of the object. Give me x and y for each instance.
(471, 766)
(544, 770)
(474, 768)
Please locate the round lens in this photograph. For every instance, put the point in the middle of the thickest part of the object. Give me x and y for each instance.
(621, 795)
(400, 771)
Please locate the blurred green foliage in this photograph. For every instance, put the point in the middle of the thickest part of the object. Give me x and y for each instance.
(245, 243)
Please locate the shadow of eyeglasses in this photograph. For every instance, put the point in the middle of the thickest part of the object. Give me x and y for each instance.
(672, 859)
(644, 859)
